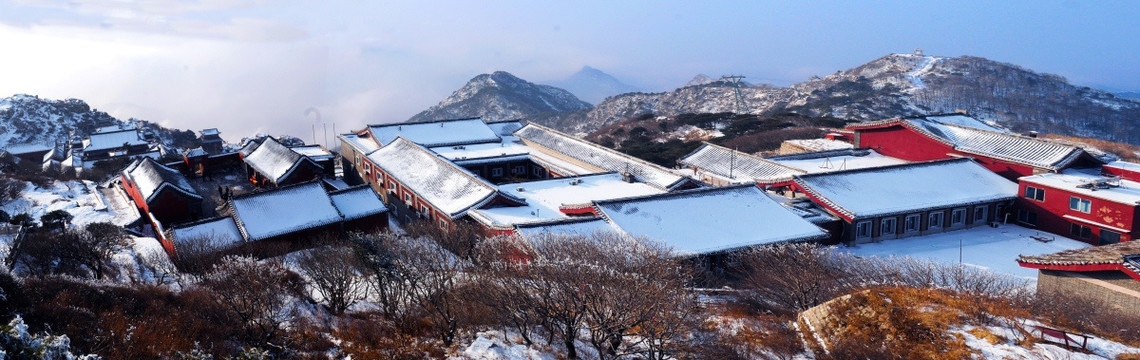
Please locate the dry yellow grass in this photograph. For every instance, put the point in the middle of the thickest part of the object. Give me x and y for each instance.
(986, 335)
(1126, 152)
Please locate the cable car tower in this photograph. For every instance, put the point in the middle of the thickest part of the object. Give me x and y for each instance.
(734, 80)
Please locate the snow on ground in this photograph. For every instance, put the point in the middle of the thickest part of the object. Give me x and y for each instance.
(921, 69)
(1007, 348)
(496, 345)
(79, 198)
(144, 260)
(995, 249)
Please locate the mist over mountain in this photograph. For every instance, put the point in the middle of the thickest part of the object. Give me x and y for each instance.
(593, 85)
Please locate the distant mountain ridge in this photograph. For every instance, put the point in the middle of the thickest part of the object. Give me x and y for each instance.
(593, 85)
(896, 85)
(501, 96)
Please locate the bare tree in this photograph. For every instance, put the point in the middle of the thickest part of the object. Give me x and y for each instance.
(793, 277)
(337, 274)
(96, 244)
(256, 295)
(415, 274)
(612, 286)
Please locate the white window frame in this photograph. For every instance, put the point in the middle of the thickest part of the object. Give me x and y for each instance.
(912, 223)
(1080, 204)
(392, 186)
(497, 172)
(442, 224)
(1034, 193)
(980, 214)
(408, 198)
(960, 214)
(861, 227)
(519, 170)
(931, 224)
(894, 226)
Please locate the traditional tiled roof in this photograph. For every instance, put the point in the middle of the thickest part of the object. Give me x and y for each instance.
(436, 133)
(150, 178)
(1113, 254)
(601, 157)
(565, 226)
(709, 220)
(447, 187)
(906, 188)
(282, 211)
(1039, 153)
(112, 140)
(737, 166)
(219, 232)
(275, 161)
(357, 202)
(314, 152)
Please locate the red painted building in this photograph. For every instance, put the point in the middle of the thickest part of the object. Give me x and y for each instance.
(161, 191)
(950, 136)
(1098, 205)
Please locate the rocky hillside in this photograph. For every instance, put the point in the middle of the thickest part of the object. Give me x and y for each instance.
(28, 119)
(31, 120)
(501, 96)
(895, 85)
(593, 85)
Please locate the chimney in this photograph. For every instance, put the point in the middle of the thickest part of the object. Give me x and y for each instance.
(1032, 134)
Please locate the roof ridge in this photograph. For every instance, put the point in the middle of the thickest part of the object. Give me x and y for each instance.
(425, 122)
(198, 222)
(916, 164)
(349, 189)
(754, 157)
(676, 193)
(613, 152)
(278, 189)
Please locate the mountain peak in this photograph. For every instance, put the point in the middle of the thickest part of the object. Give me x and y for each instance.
(500, 96)
(700, 79)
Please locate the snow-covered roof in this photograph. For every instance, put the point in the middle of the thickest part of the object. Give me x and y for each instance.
(820, 144)
(437, 133)
(218, 233)
(20, 149)
(314, 152)
(505, 127)
(363, 145)
(273, 160)
(736, 166)
(913, 187)
(569, 226)
(357, 202)
(447, 187)
(709, 220)
(1124, 165)
(482, 151)
(1090, 183)
(1040, 153)
(210, 132)
(249, 147)
(835, 160)
(545, 198)
(601, 157)
(965, 121)
(112, 140)
(285, 210)
(150, 177)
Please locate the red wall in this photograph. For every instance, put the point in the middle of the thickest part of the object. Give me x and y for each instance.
(904, 143)
(1122, 173)
(1056, 205)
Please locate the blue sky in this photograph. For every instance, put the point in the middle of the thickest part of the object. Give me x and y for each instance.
(257, 65)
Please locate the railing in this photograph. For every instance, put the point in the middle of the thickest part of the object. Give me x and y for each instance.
(1060, 337)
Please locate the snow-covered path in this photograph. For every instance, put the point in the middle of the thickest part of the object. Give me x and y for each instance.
(922, 68)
